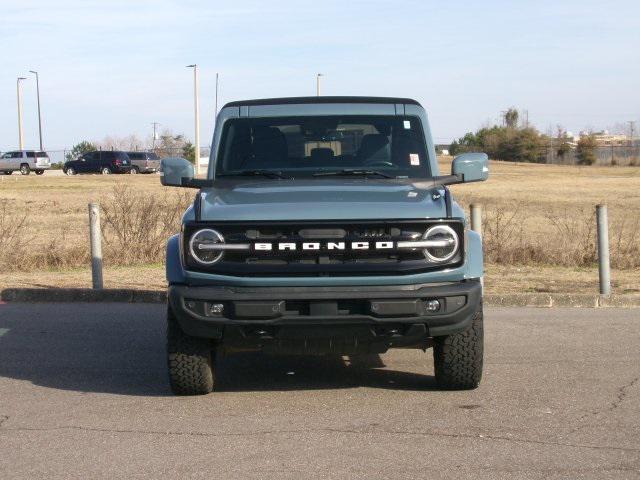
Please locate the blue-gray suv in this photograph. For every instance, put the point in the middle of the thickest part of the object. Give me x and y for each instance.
(324, 226)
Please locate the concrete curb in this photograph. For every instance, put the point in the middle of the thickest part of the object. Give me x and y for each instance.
(549, 300)
(544, 300)
(82, 295)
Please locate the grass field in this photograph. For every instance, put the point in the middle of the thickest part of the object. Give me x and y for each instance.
(539, 227)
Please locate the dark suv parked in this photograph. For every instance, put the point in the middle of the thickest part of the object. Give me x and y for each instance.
(104, 162)
(144, 162)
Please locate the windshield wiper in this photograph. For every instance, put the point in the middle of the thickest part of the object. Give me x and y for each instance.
(250, 173)
(349, 171)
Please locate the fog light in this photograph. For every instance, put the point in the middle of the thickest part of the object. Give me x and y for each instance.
(216, 308)
(432, 305)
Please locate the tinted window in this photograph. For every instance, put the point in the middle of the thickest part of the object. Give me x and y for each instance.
(6, 155)
(31, 154)
(152, 156)
(16, 154)
(42, 155)
(136, 155)
(107, 155)
(309, 144)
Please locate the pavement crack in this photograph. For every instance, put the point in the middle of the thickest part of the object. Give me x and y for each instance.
(621, 394)
(466, 436)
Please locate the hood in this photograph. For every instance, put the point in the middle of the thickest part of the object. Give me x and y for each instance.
(337, 198)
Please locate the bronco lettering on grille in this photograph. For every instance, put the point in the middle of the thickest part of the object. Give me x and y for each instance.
(317, 246)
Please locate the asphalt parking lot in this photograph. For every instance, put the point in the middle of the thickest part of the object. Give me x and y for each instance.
(84, 394)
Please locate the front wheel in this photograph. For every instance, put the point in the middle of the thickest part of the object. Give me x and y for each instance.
(70, 171)
(105, 171)
(24, 169)
(458, 357)
(134, 171)
(190, 361)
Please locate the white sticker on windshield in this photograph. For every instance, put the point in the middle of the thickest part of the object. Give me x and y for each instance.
(407, 125)
(414, 158)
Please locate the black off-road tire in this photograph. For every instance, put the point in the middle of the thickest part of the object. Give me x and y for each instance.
(190, 361)
(458, 357)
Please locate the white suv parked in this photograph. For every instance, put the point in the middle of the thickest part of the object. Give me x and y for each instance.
(25, 161)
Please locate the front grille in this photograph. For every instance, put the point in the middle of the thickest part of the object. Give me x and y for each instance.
(320, 263)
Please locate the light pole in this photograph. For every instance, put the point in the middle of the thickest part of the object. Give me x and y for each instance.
(20, 134)
(155, 134)
(216, 105)
(197, 115)
(318, 83)
(39, 116)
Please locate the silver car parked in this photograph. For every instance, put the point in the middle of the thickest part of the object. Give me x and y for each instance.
(144, 162)
(24, 161)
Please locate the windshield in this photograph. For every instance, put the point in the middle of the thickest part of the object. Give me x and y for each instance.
(302, 146)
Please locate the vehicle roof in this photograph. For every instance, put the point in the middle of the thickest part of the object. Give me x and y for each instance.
(26, 150)
(106, 151)
(311, 100)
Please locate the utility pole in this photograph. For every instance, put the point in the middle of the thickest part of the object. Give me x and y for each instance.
(318, 83)
(155, 135)
(632, 127)
(39, 116)
(20, 133)
(197, 115)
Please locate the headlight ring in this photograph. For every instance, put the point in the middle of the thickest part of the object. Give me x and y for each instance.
(448, 243)
(198, 246)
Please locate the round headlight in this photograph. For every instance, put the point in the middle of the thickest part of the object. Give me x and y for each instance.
(445, 241)
(202, 246)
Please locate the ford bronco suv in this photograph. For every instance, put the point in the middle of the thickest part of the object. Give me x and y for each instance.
(324, 227)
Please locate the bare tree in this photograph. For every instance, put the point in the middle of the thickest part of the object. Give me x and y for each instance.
(511, 118)
(128, 143)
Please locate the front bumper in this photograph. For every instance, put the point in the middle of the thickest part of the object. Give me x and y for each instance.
(258, 316)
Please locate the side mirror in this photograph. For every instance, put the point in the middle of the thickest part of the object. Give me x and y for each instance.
(175, 172)
(471, 167)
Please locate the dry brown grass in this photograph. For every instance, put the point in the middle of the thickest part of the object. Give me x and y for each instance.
(545, 214)
(136, 224)
(49, 215)
(13, 226)
(536, 218)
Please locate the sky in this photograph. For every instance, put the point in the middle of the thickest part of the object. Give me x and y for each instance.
(111, 68)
